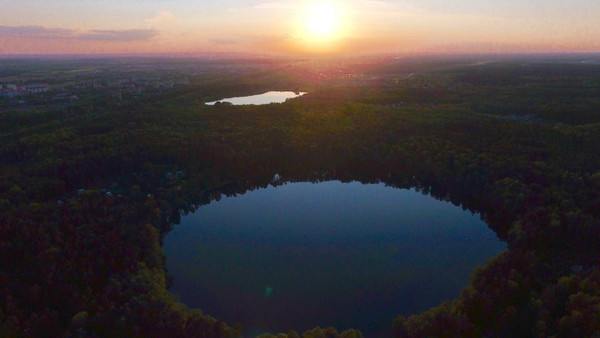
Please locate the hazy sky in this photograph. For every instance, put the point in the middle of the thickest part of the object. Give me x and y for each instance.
(263, 26)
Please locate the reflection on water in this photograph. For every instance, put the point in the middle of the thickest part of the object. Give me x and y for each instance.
(328, 254)
(266, 98)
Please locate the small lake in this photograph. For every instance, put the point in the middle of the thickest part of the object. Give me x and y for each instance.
(266, 98)
(302, 255)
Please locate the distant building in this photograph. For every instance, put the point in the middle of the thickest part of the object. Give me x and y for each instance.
(166, 84)
(36, 88)
(64, 97)
(118, 83)
(181, 82)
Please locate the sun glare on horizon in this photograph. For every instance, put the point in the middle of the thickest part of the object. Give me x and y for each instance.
(323, 21)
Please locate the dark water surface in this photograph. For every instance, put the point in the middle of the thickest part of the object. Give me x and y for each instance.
(336, 254)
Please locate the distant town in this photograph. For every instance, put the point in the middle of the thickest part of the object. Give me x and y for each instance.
(59, 85)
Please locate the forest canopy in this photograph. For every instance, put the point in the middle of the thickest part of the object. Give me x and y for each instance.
(88, 190)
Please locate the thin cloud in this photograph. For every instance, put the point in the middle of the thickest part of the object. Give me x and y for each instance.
(385, 6)
(378, 4)
(39, 32)
(287, 5)
(36, 32)
(272, 38)
(252, 40)
(119, 35)
(224, 41)
(163, 17)
(261, 42)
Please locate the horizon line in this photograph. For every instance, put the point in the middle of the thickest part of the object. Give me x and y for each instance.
(222, 55)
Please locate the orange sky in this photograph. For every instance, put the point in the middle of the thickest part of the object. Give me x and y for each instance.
(361, 26)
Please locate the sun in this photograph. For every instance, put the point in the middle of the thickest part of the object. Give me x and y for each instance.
(322, 21)
(323, 26)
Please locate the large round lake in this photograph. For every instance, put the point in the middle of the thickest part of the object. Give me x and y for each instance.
(302, 255)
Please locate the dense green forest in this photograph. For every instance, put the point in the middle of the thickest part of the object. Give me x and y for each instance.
(87, 192)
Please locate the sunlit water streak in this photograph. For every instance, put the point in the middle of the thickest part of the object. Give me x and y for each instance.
(266, 98)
